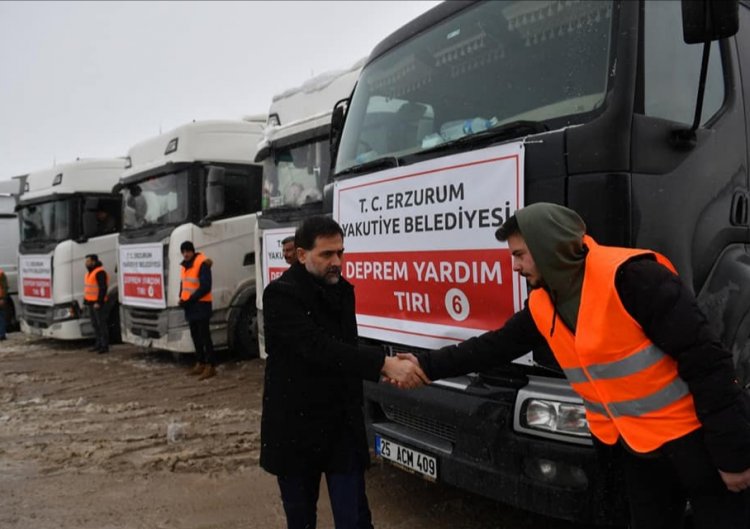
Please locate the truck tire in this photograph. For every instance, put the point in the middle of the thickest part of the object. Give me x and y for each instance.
(246, 331)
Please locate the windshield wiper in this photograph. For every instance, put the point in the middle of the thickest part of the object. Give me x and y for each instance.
(513, 129)
(378, 163)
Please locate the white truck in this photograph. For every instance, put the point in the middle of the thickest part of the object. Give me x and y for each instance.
(296, 162)
(65, 213)
(9, 191)
(195, 183)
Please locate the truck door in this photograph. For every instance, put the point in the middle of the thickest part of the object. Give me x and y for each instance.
(689, 201)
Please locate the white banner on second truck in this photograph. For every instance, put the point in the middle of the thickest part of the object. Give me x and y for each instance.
(273, 256)
(421, 248)
(36, 279)
(142, 275)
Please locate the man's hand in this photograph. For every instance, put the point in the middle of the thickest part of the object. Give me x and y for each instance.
(97, 306)
(403, 372)
(736, 481)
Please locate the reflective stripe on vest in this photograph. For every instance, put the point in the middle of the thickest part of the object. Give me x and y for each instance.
(191, 280)
(630, 388)
(91, 287)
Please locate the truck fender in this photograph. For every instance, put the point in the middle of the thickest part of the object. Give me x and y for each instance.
(725, 300)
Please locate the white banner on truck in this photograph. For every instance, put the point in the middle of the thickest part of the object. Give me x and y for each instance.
(142, 275)
(36, 279)
(421, 248)
(273, 257)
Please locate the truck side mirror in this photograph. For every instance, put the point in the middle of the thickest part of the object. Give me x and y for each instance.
(215, 192)
(707, 20)
(704, 21)
(338, 116)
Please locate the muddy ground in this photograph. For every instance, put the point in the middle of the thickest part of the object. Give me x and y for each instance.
(126, 440)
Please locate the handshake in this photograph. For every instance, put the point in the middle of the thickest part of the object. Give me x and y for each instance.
(404, 371)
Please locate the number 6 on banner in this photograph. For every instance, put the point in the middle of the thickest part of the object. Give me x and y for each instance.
(457, 304)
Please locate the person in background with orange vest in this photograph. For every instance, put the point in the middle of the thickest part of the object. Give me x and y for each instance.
(95, 286)
(660, 392)
(3, 304)
(195, 299)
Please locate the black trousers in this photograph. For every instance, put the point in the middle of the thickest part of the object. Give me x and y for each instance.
(660, 484)
(346, 491)
(98, 319)
(200, 332)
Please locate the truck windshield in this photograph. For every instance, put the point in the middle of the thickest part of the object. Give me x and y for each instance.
(47, 221)
(495, 64)
(156, 201)
(294, 176)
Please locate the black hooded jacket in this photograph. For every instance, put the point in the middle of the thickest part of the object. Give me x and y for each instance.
(655, 297)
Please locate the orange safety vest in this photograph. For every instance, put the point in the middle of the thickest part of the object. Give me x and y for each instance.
(191, 281)
(91, 287)
(629, 386)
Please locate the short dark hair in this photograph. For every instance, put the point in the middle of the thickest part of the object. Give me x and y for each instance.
(287, 239)
(92, 256)
(187, 245)
(509, 227)
(314, 227)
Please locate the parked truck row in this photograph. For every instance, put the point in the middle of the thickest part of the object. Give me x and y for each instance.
(634, 114)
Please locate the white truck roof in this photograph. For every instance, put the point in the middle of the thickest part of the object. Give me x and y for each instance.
(85, 175)
(230, 141)
(309, 106)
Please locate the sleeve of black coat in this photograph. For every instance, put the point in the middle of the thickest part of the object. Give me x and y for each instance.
(669, 314)
(517, 337)
(101, 283)
(292, 330)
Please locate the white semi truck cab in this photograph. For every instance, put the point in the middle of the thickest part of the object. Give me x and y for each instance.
(9, 191)
(296, 162)
(65, 213)
(198, 183)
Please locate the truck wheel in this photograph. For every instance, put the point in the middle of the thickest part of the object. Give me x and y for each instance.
(246, 331)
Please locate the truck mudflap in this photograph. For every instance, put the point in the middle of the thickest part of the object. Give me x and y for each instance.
(466, 438)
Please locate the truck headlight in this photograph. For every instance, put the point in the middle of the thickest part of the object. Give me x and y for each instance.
(69, 311)
(556, 417)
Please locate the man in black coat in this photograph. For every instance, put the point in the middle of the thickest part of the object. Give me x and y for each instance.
(312, 421)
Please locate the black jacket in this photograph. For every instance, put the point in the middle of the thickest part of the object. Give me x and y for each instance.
(670, 317)
(198, 310)
(312, 400)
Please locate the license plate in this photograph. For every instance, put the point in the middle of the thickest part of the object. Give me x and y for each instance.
(406, 457)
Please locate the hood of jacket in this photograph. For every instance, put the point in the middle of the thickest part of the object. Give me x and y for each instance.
(554, 236)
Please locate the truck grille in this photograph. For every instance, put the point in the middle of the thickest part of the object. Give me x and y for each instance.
(420, 423)
(147, 323)
(37, 316)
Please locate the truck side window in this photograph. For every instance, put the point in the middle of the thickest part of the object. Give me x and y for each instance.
(672, 68)
(242, 191)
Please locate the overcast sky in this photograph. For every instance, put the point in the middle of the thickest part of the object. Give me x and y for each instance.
(90, 79)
